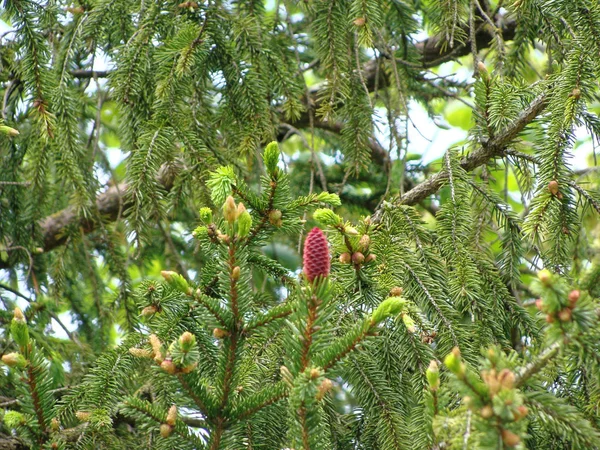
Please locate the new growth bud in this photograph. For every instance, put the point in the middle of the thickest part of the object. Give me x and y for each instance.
(396, 291)
(275, 218)
(364, 242)
(433, 376)
(141, 352)
(358, 258)
(168, 366)
(187, 340)
(370, 258)
(390, 307)
(324, 388)
(220, 333)
(553, 187)
(565, 315)
(12, 132)
(510, 439)
(149, 310)
(166, 430)
(18, 328)
(454, 363)
(13, 419)
(244, 223)
(18, 315)
(83, 416)
(286, 375)
(175, 280)
(545, 276)
(230, 210)
(14, 360)
(172, 415)
(271, 157)
(574, 297)
(345, 258)
(156, 348)
(206, 215)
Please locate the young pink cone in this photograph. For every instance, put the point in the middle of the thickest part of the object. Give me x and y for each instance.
(316, 255)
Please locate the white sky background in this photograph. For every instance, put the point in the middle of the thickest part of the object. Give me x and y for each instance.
(426, 139)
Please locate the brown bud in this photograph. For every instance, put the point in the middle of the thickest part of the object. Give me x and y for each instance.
(286, 375)
(539, 304)
(510, 439)
(493, 383)
(324, 388)
(75, 10)
(553, 187)
(141, 352)
(149, 310)
(549, 318)
(168, 366)
(359, 21)
(370, 258)
(83, 416)
(506, 378)
(172, 415)
(54, 424)
(235, 273)
(241, 209)
(574, 297)
(239, 389)
(156, 347)
(315, 373)
(18, 315)
(364, 242)
(186, 338)
(230, 210)
(486, 412)
(345, 258)
(166, 430)
(358, 258)
(14, 359)
(576, 93)
(481, 66)
(565, 315)
(520, 412)
(224, 238)
(220, 333)
(396, 291)
(190, 368)
(545, 276)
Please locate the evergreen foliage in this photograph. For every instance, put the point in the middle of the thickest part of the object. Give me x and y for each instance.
(162, 163)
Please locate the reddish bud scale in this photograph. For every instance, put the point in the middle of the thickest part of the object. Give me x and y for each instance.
(316, 255)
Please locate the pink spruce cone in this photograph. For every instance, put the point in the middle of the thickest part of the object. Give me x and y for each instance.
(316, 255)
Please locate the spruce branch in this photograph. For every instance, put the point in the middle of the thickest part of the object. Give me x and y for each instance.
(538, 364)
(491, 149)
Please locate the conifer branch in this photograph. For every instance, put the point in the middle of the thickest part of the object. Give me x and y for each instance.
(492, 149)
(111, 201)
(535, 366)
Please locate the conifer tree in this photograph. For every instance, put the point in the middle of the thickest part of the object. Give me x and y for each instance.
(218, 290)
